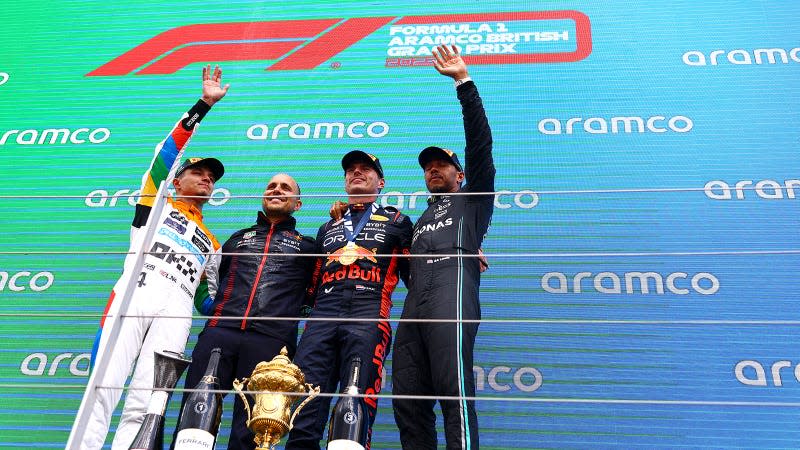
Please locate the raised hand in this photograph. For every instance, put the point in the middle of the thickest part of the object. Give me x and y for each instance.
(449, 63)
(337, 210)
(212, 85)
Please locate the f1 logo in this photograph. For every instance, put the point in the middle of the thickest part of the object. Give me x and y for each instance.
(306, 44)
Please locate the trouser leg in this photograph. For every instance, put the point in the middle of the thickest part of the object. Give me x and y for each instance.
(415, 419)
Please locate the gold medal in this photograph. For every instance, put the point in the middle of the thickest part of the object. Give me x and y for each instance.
(349, 255)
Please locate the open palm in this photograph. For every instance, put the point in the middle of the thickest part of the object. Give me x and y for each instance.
(449, 63)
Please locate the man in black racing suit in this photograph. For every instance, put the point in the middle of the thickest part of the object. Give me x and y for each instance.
(435, 358)
(352, 283)
(269, 280)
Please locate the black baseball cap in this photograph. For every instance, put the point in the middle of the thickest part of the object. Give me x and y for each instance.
(358, 155)
(213, 164)
(430, 153)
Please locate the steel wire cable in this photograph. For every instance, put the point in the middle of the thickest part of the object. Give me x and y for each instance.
(790, 194)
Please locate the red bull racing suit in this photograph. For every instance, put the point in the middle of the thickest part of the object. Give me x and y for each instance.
(435, 359)
(165, 286)
(270, 280)
(350, 284)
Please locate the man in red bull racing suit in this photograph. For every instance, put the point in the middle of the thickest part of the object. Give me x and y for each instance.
(352, 283)
(269, 280)
(435, 358)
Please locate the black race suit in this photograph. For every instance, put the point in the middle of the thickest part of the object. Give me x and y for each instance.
(362, 289)
(255, 285)
(435, 359)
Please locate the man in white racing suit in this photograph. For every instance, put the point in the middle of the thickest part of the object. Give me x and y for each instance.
(159, 313)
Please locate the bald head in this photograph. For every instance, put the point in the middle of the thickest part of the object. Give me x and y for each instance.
(281, 197)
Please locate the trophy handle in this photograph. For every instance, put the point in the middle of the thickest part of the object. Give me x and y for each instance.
(237, 386)
(314, 391)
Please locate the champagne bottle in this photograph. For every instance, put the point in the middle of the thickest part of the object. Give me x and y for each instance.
(151, 433)
(168, 367)
(349, 421)
(199, 421)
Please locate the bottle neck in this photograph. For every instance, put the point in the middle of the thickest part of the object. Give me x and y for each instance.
(355, 371)
(210, 375)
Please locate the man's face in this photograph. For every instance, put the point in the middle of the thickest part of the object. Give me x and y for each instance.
(441, 176)
(195, 180)
(275, 203)
(361, 178)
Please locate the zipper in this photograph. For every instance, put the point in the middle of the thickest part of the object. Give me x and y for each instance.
(258, 276)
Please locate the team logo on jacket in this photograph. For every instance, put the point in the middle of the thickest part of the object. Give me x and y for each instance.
(249, 235)
(200, 244)
(180, 218)
(175, 225)
(351, 253)
(200, 236)
(378, 218)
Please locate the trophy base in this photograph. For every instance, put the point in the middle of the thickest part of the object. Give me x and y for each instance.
(268, 432)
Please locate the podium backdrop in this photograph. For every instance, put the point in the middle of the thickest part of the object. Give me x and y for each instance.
(644, 246)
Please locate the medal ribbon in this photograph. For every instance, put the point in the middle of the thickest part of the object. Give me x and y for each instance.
(349, 232)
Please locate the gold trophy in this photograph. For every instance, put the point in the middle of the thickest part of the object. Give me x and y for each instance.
(278, 382)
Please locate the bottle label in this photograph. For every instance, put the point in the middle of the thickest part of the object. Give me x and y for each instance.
(194, 439)
(344, 444)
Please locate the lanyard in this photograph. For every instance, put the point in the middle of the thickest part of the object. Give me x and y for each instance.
(349, 232)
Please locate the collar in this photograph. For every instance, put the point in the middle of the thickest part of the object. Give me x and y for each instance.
(435, 198)
(188, 209)
(358, 207)
(287, 223)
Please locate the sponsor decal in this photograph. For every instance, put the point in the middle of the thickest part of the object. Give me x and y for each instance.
(378, 218)
(249, 235)
(56, 136)
(101, 198)
(436, 260)
(359, 254)
(186, 290)
(616, 125)
(178, 217)
(753, 373)
(766, 189)
(502, 378)
(175, 225)
(200, 244)
(367, 235)
(320, 130)
(168, 276)
(307, 44)
(432, 227)
(634, 282)
(353, 272)
(24, 280)
(378, 355)
(181, 262)
(742, 57)
(291, 243)
(183, 243)
(38, 364)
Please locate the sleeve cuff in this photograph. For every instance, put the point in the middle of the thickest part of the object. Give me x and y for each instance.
(195, 114)
(462, 81)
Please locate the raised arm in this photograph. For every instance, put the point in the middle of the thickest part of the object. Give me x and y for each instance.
(478, 164)
(168, 152)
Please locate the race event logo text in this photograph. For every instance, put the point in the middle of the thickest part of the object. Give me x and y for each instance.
(486, 38)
